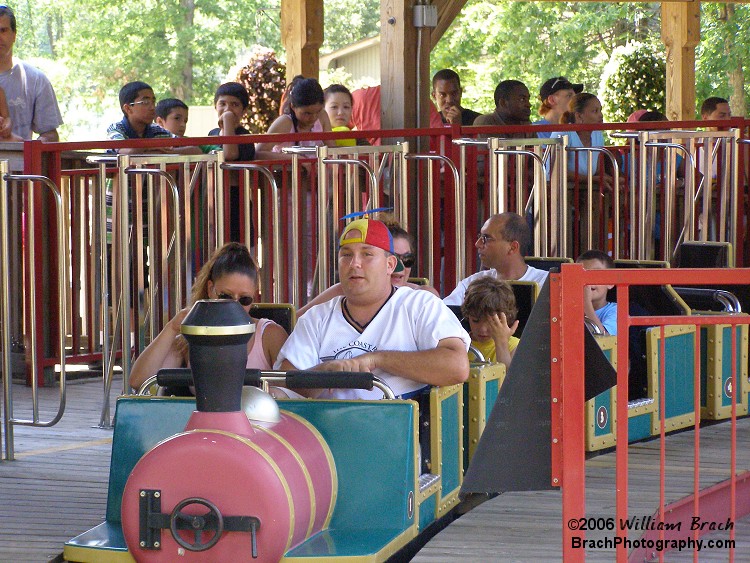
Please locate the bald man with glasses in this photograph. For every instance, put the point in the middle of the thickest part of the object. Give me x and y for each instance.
(501, 245)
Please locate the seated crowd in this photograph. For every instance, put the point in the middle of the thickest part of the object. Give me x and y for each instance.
(374, 320)
(307, 108)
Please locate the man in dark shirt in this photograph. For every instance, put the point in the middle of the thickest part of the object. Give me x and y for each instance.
(446, 93)
(512, 107)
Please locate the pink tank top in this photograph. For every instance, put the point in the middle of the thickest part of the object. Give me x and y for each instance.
(316, 128)
(256, 357)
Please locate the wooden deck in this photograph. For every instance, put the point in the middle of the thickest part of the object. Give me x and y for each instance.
(56, 489)
(528, 526)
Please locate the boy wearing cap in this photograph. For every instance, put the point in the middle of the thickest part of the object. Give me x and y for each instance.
(408, 338)
(555, 95)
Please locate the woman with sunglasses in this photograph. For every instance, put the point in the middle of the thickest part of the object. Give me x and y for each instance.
(403, 245)
(231, 273)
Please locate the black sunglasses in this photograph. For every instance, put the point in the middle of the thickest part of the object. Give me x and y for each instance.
(245, 300)
(408, 259)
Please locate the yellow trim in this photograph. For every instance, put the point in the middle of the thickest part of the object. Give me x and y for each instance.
(479, 376)
(329, 457)
(308, 478)
(535, 287)
(95, 555)
(273, 465)
(388, 550)
(653, 335)
(628, 263)
(217, 330)
(679, 301)
(714, 409)
(417, 465)
(446, 501)
(594, 442)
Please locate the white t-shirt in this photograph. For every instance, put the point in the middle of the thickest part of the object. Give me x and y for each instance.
(31, 100)
(457, 296)
(410, 321)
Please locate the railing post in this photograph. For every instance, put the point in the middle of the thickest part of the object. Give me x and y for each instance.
(573, 430)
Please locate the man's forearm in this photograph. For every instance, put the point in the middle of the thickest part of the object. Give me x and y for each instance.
(441, 366)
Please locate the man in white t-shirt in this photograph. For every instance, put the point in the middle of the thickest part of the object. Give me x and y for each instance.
(501, 244)
(31, 100)
(408, 338)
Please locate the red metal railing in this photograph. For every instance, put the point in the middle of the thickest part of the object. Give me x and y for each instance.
(439, 213)
(729, 499)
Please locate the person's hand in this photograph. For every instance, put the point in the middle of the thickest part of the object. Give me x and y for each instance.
(363, 363)
(499, 328)
(228, 122)
(6, 127)
(176, 321)
(452, 115)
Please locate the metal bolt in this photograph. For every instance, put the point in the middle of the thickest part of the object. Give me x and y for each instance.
(554, 440)
(143, 493)
(554, 399)
(143, 544)
(157, 544)
(555, 480)
(157, 494)
(554, 360)
(554, 319)
(392, 20)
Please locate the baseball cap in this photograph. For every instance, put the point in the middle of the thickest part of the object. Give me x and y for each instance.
(556, 84)
(372, 232)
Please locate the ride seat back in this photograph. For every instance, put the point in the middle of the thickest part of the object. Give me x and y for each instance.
(283, 314)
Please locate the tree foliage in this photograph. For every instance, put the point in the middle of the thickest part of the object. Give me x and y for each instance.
(634, 78)
(533, 41)
(264, 79)
(349, 21)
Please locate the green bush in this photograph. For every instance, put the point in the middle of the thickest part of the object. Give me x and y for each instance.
(264, 78)
(633, 79)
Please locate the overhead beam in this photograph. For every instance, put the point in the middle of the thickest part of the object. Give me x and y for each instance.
(681, 33)
(447, 11)
(302, 36)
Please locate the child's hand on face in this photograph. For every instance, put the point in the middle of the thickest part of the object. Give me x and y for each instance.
(228, 122)
(500, 329)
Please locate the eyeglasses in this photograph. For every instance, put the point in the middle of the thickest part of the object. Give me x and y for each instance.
(146, 103)
(485, 238)
(245, 300)
(408, 259)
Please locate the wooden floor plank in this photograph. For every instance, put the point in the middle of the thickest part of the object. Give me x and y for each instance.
(56, 489)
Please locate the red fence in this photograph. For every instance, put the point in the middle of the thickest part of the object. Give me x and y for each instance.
(726, 500)
(432, 212)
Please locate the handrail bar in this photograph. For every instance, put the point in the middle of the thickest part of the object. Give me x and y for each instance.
(62, 296)
(276, 218)
(460, 198)
(590, 194)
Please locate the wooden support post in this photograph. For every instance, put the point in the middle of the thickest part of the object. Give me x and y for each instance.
(404, 68)
(302, 36)
(681, 32)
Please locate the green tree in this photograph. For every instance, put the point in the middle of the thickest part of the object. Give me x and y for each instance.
(533, 41)
(349, 21)
(634, 78)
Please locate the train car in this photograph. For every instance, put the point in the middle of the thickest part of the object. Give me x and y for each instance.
(361, 480)
(307, 479)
